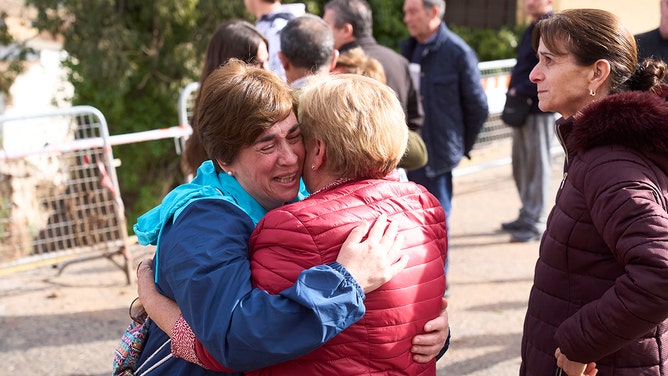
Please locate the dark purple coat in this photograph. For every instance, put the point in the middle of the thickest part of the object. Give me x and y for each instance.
(600, 288)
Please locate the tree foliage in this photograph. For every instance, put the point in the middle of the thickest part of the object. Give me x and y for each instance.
(131, 59)
(13, 54)
(491, 44)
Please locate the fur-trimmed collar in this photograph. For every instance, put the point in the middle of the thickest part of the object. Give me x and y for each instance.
(635, 119)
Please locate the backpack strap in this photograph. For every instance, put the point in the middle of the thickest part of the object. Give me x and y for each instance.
(275, 16)
(138, 372)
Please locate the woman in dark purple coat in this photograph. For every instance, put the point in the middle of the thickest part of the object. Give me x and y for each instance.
(599, 302)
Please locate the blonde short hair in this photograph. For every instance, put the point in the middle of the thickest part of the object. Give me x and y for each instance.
(355, 60)
(360, 121)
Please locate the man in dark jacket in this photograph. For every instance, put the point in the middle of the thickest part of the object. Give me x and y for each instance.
(352, 24)
(453, 99)
(531, 159)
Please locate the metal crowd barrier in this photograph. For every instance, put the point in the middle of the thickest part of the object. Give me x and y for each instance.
(59, 197)
(495, 79)
(187, 102)
(186, 105)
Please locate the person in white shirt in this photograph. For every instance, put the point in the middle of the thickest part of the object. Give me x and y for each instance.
(271, 17)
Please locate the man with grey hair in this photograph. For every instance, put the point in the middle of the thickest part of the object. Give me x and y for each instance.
(352, 24)
(307, 48)
(453, 99)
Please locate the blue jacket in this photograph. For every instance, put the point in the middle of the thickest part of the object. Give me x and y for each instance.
(453, 99)
(202, 230)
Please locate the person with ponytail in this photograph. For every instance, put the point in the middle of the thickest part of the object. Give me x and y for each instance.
(599, 301)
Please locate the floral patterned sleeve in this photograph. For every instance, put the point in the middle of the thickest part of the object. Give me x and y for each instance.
(184, 346)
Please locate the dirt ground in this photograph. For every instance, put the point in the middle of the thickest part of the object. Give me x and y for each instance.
(68, 325)
(63, 325)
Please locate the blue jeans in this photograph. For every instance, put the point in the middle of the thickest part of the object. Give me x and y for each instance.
(441, 187)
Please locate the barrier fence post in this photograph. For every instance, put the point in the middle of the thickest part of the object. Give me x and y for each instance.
(60, 201)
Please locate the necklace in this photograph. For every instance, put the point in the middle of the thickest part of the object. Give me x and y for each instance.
(333, 184)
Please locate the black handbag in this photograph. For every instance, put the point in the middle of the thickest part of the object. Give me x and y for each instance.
(516, 110)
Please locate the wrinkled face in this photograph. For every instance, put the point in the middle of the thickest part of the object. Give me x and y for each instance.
(417, 19)
(562, 84)
(270, 168)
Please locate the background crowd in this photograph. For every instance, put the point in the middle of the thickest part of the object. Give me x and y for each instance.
(599, 303)
(285, 119)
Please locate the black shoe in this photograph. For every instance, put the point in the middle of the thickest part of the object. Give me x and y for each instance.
(525, 235)
(515, 225)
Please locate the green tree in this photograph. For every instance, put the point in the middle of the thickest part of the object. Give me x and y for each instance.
(130, 59)
(491, 44)
(12, 56)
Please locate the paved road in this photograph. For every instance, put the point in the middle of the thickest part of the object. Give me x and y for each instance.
(490, 277)
(69, 324)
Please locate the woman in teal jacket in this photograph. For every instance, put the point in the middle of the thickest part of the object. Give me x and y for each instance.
(202, 229)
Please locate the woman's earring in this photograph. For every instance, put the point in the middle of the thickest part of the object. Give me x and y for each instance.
(230, 173)
(592, 93)
(313, 167)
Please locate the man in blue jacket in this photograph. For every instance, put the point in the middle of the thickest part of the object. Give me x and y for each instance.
(453, 99)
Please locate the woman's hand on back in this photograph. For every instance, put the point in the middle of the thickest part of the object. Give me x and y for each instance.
(162, 310)
(428, 345)
(377, 259)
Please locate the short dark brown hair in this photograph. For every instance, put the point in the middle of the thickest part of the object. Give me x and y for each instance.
(237, 103)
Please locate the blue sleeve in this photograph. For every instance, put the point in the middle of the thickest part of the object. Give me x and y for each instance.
(204, 267)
